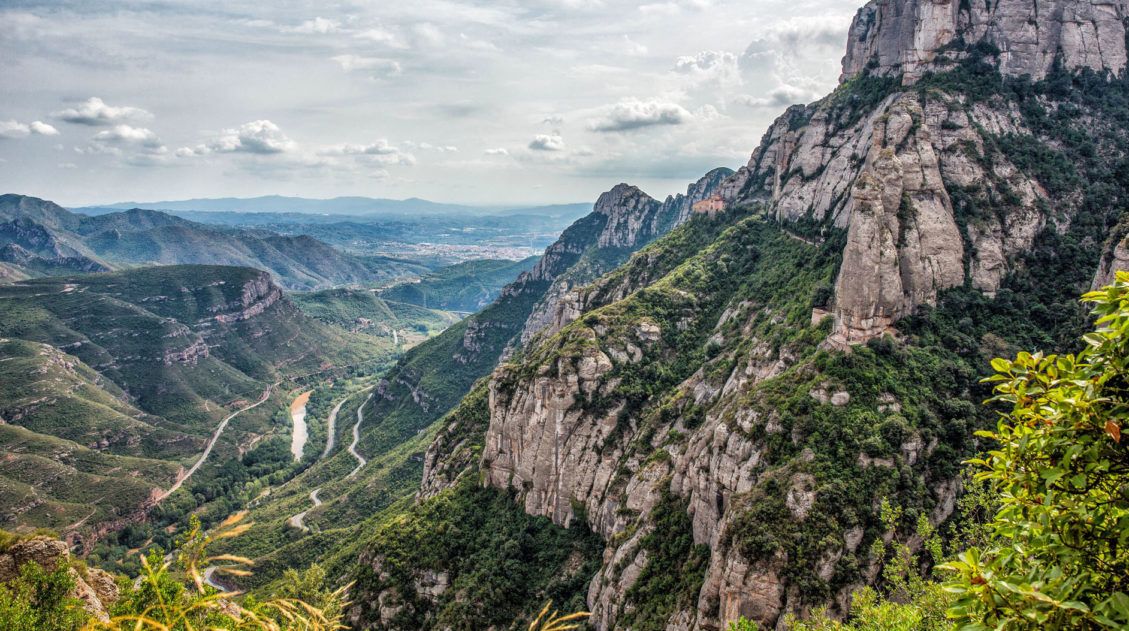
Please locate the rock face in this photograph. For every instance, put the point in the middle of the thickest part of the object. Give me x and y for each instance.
(633, 220)
(95, 588)
(911, 37)
(898, 177)
(884, 175)
(256, 296)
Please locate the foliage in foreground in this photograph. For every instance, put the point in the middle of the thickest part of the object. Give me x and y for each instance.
(1058, 549)
(1053, 552)
(162, 601)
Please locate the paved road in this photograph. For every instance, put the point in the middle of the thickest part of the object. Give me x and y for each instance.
(357, 438)
(296, 520)
(331, 428)
(212, 442)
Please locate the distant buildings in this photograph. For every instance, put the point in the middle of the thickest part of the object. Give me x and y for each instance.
(710, 206)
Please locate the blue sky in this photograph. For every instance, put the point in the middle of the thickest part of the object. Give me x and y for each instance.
(539, 101)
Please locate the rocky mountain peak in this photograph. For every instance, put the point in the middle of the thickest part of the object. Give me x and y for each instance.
(912, 37)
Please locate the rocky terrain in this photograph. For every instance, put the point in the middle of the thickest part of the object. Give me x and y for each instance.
(726, 409)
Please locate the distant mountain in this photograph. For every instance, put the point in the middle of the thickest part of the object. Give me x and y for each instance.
(40, 238)
(361, 206)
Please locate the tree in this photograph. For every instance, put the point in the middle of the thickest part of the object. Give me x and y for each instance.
(1056, 555)
(39, 599)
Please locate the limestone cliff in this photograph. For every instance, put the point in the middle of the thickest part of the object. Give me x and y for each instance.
(911, 37)
(633, 220)
(697, 379)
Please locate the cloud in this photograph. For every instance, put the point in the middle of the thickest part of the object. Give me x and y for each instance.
(319, 25)
(547, 142)
(125, 134)
(379, 66)
(379, 152)
(780, 96)
(635, 114)
(16, 129)
(673, 7)
(95, 113)
(43, 129)
(500, 151)
(633, 48)
(428, 34)
(260, 137)
(381, 36)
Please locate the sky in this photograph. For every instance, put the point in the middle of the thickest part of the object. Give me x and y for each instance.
(463, 101)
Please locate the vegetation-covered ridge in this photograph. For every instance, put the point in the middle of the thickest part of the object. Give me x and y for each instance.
(40, 238)
(113, 383)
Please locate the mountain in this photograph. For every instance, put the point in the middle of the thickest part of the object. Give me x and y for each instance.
(729, 410)
(359, 206)
(38, 238)
(409, 404)
(465, 287)
(112, 383)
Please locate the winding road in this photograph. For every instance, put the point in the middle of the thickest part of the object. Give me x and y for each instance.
(212, 443)
(296, 520)
(331, 428)
(357, 438)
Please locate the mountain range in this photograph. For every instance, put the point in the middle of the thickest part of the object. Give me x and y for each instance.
(38, 237)
(357, 206)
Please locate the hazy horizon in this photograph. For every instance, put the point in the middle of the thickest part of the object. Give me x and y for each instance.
(478, 103)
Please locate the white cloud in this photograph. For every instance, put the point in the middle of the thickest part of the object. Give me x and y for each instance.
(633, 48)
(43, 129)
(378, 65)
(635, 114)
(317, 25)
(379, 152)
(547, 142)
(673, 7)
(16, 129)
(428, 34)
(500, 151)
(780, 96)
(95, 112)
(382, 36)
(260, 137)
(13, 129)
(125, 134)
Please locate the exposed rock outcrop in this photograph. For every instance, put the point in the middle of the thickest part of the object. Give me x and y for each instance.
(256, 296)
(633, 220)
(95, 588)
(911, 37)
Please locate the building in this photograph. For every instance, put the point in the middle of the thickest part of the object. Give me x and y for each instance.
(710, 206)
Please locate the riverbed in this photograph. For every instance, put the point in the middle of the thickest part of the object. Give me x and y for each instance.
(301, 431)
